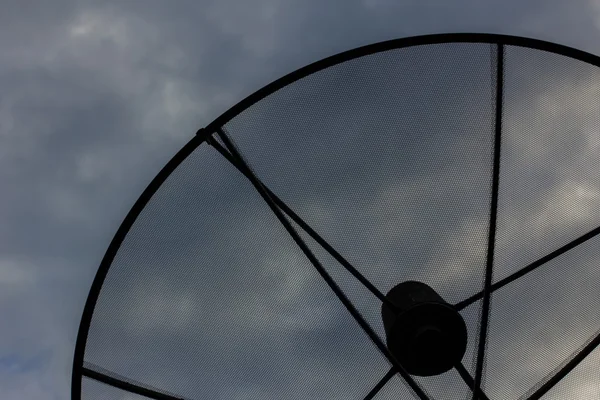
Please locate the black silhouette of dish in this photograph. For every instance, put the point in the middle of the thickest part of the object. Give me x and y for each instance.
(416, 218)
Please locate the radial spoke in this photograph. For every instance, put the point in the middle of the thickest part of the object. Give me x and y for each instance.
(464, 374)
(127, 386)
(381, 383)
(311, 232)
(326, 277)
(557, 376)
(492, 228)
(525, 270)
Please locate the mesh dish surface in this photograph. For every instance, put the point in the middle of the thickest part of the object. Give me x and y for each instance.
(389, 156)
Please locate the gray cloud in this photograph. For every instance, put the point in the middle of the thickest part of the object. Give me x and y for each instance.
(96, 99)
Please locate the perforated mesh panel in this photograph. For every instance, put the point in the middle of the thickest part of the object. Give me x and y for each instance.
(549, 196)
(375, 162)
(227, 305)
(541, 319)
(393, 390)
(584, 380)
(389, 157)
(93, 390)
(549, 177)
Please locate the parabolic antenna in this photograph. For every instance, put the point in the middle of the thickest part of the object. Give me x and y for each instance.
(413, 219)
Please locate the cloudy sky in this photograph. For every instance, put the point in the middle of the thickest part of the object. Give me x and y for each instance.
(96, 98)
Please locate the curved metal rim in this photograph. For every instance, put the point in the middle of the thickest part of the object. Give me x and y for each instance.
(203, 133)
(439, 38)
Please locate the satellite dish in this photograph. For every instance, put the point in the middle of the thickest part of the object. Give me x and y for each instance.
(416, 218)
